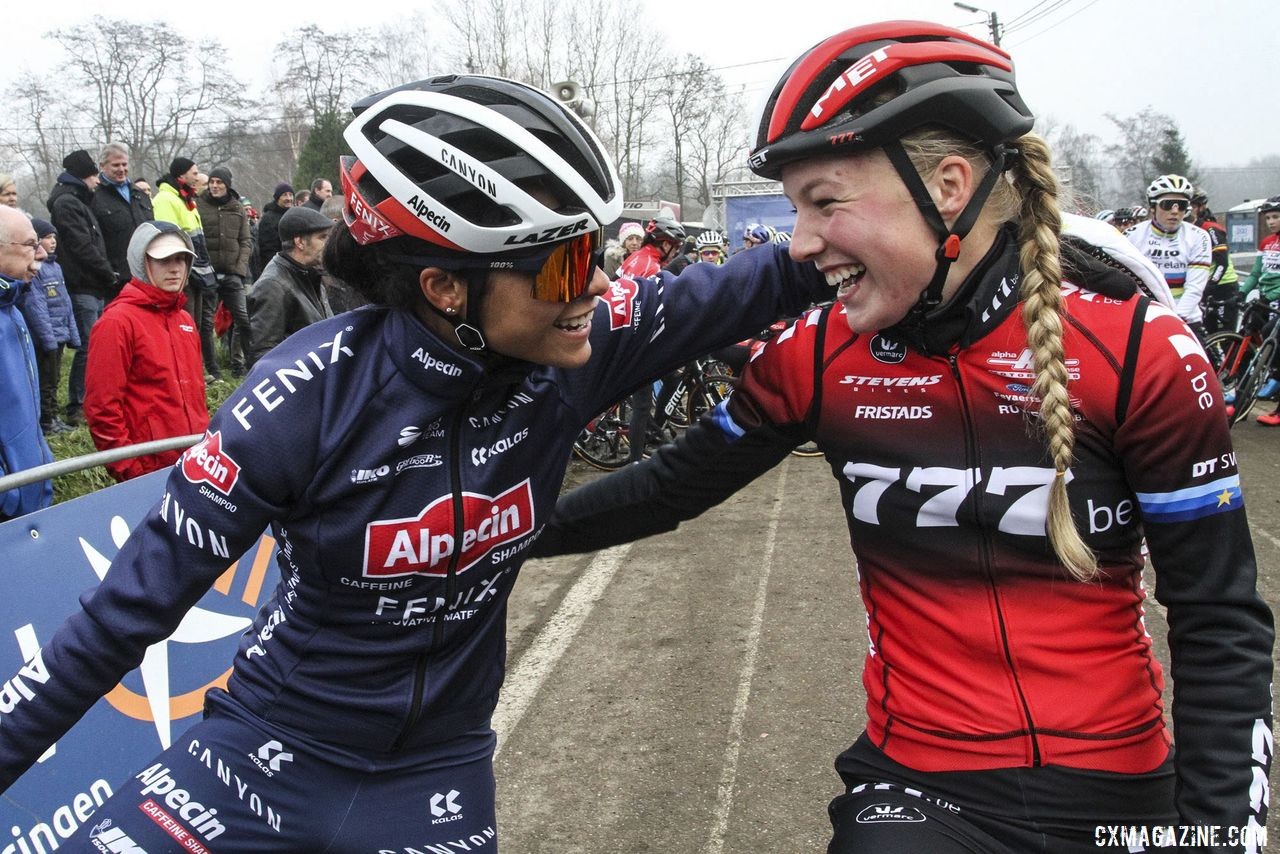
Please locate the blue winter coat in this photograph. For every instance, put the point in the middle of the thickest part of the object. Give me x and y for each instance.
(22, 445)
(46, 306)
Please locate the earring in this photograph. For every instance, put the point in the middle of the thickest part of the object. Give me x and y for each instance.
(450, 310)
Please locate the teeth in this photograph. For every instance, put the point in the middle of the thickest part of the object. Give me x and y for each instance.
(577, 323)
(842, 277)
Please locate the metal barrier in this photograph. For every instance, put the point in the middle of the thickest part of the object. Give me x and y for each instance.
(88, 461)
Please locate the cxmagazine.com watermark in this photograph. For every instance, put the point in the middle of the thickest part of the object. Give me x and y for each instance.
(1250, 838)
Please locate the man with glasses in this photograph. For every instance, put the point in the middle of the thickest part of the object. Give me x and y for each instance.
(1183, 252)
(22, 444)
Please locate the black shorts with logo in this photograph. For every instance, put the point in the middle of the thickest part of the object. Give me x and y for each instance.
(233, 785)
(888, 808)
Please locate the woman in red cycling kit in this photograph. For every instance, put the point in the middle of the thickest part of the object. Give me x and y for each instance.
(1008, 418)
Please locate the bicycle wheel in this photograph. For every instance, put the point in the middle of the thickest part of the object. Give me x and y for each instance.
(1229, 354)
(605, 441)
(708, 391)
(1252, 379)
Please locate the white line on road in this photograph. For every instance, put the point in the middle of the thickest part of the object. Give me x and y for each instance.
(525, 679)
(1255, 529)
(729, 771)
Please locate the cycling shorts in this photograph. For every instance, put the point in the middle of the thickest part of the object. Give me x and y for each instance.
(888, 808)
(232, 784)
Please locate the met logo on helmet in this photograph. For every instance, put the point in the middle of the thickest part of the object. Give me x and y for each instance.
(206, 462)
(557, 233)
(853, 75)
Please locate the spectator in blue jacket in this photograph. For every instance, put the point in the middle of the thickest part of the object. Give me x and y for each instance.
(46, 307)
(22, 445)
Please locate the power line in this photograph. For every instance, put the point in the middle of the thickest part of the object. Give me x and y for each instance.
(1058, 24)
(1017, 18)
(1037, 17)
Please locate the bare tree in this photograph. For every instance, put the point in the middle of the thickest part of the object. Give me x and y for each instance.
(1078, 159)
(44, 134)
(145, 84)
(716, 148)
(1134, 155)
(324, 72)
(406, 52)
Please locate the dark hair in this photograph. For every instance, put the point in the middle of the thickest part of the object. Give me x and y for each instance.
(366, 269)
(318, 183)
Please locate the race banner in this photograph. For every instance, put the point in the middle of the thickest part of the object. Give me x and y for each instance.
(49, 559)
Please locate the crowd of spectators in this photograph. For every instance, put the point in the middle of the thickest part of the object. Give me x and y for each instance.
(142, 282)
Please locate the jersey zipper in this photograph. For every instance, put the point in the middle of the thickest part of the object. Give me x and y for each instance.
(973, 455)
(450, 584)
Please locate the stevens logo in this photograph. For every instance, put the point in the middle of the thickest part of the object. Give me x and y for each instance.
(423, 545)
(207, 463)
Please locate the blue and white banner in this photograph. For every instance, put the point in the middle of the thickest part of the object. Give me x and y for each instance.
(49, 559)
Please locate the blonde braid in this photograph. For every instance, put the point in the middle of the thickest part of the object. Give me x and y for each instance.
(1041, 292)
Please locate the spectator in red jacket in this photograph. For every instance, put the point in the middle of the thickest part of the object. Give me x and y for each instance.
(145, 378)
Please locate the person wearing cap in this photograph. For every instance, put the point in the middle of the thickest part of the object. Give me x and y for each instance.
(46, 306)
(119, 206)
(630, 236)
(289, 295)
(145, 378)
(230, 243)
(268, 227)
(22, 445)
(91, 280)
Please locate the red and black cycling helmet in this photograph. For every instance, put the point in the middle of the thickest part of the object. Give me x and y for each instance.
(868, 87)
(663, 226)
(874, 84)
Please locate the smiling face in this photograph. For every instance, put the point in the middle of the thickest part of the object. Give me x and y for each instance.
(857, 222)
(518, 325)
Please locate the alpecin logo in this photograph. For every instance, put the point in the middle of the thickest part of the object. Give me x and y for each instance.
(422, 545)
(622, 300)
(206, 462)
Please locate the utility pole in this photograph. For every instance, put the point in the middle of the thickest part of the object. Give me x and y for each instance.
(993, 20)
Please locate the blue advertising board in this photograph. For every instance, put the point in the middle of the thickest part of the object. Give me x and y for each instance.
(49, 559)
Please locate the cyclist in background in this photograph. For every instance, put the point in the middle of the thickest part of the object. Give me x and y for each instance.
(757, 234)
(710, 246)
(1265, 276)
(405, 456)
(1125, 218)
(663, 237)
(1001, 452)
(1221, 310)
(1179, 249)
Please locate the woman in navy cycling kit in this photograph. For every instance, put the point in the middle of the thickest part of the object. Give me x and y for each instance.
(405, 456)
(1007, 420)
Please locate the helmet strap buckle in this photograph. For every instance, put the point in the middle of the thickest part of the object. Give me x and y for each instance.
(469, 336)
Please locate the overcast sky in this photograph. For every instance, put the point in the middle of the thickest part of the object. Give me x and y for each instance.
(1207, 63)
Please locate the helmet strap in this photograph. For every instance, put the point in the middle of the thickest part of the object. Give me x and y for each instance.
(467, 330)
(950, 238)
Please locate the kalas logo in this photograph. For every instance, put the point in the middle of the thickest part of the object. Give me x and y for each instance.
(207, 463)
(622, 300)
(423, 545)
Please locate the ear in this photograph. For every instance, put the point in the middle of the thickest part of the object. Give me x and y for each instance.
(952, 186)
(445, 291)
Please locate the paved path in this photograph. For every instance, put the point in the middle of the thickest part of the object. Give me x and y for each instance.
(688, 693)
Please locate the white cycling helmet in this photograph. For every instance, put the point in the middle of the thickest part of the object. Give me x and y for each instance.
(446, 161)
(782, 237)
(1104, 215)
(709, 240)
(1167, 185)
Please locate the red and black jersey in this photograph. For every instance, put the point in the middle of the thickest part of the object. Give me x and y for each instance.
(983, 652)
